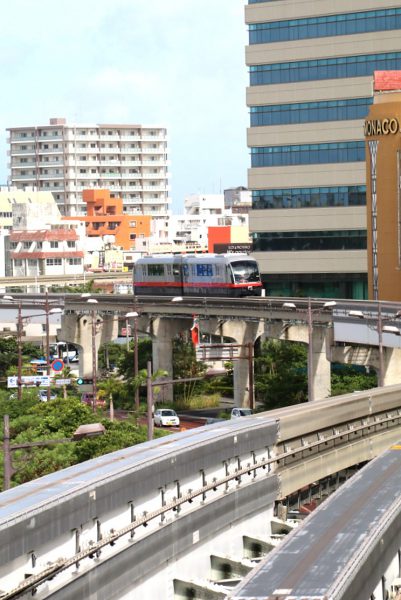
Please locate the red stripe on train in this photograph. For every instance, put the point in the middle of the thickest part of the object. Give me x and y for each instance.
(177, 284)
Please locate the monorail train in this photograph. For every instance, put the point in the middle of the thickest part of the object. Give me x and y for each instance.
(230, 275)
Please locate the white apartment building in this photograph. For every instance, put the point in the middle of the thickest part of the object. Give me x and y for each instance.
(129, 160)
(202, 211)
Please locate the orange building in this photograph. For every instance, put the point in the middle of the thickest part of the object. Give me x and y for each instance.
(383, 161)
(230, 238)
(104, 216)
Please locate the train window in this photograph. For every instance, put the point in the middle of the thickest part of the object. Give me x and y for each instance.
(185, 270)
(204, 270)
(245, 271)
(168, 267)
(155, 270)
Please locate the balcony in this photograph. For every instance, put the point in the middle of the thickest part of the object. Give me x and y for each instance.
(18, 177)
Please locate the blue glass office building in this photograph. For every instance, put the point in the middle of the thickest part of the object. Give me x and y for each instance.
(311, 64)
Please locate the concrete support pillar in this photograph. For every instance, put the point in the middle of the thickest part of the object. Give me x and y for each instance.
(392, 366)
(321, 366)
(163, 331)
(244, 333)
(77, 329)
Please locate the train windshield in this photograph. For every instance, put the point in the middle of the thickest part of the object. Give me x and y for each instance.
(245, 270)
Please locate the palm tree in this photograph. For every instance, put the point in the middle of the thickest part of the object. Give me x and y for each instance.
(109, 388)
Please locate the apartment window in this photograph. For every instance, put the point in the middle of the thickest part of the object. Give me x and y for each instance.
(82, 132)
(32, 262)
(23, 173)
(82, 170)
(55, 145)
(70, 244)
(26, 245)
(53, 262)
(132, 223)
(39, 245)
(46, 146)
(74, 261)
(13, 245)
(93, 145)
(53, 244)
(132, 236)
(17, 262)
(23, 147)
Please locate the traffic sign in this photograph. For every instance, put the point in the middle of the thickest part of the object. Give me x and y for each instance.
(84, 381)
(29, 381)
(57, 365)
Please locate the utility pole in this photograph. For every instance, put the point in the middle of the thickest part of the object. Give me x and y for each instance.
(149, 396)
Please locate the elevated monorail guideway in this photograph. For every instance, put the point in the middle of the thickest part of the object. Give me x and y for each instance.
(346, 550)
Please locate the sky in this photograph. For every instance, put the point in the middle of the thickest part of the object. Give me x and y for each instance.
(178, 63)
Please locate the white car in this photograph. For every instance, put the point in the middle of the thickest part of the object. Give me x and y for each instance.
(166, 417)
(42, 394)
(241, 412)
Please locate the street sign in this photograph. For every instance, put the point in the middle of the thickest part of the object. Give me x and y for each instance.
(62, 381)
(84, 381)
(57, 365)
(29, 381)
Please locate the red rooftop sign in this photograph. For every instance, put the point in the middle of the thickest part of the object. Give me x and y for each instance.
(386, 80)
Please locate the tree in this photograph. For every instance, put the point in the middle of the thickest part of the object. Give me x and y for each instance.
(350, 378)
(110, 389)
(281, 374)
(185, 365)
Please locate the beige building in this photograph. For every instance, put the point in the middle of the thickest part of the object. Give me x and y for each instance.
(10, 197)
(383, 149)
(129, 160)
(311, 64)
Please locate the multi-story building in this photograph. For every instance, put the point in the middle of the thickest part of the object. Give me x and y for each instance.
(311, 64)
(202, 211)
(11, 196)
(130, 160)
(105, 219)
(53, 251)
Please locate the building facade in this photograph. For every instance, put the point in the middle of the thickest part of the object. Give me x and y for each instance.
(311, 64)
(105, 218)
(52, 251)
(383, 152)
(130, 160)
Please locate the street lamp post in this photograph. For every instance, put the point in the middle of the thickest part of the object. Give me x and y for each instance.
(94, 357)
(19, 348)
(134, 315)
(309, 319)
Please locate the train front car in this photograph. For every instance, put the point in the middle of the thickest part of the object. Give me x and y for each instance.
(220, 275)
(245, 275)
(197, 275)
